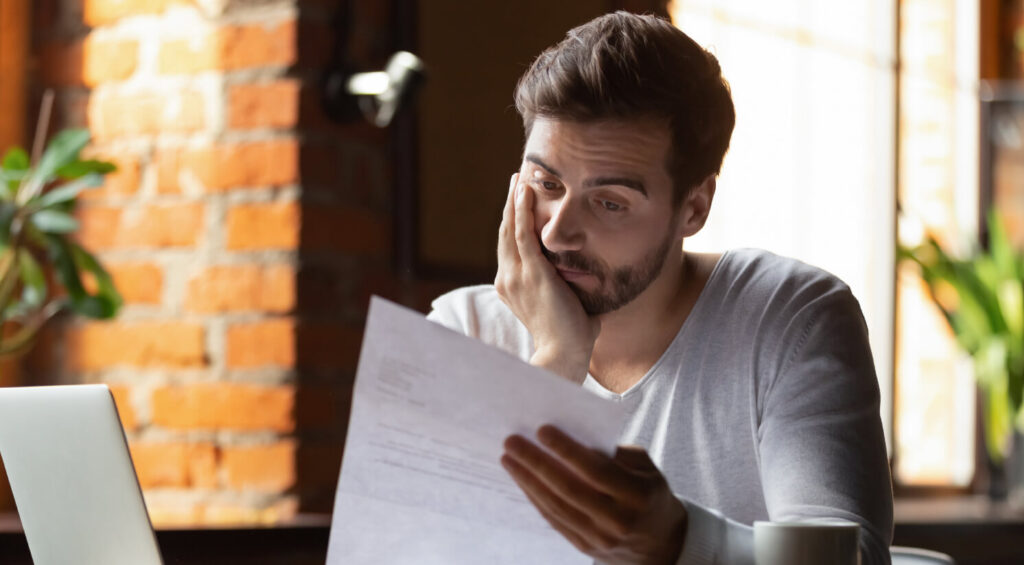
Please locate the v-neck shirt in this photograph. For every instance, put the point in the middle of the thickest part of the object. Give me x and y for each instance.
(765, 405)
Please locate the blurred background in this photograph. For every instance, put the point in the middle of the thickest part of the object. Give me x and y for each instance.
(256, 207)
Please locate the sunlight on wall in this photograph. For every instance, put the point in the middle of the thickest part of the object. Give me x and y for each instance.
(938, 189)
(811, 171)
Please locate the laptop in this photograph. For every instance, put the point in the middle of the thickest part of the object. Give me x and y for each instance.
(72, 477)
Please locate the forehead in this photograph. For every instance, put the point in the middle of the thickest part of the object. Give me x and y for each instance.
(640, 146)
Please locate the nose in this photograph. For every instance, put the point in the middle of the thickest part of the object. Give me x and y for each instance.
(563, 230)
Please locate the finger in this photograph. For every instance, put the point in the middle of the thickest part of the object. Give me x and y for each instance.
(566, 485)
(635, 457)
(526, 237)
(575, 539)
(562, 515)
(595, 467)
(507, 250)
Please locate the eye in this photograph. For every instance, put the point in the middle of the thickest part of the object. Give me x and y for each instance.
(612, 206)
(549, 185)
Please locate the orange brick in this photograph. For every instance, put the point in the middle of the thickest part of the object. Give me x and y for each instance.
(280, 342)
(175, 464)
(229, 288)
(137, 113)
(273, 105)
(125, 410)
(99, 227)
(232, 48)
(263, 226)
(214, 406)
(263, 468)
(122, 182)
(203, 463)
(276, 511)
(160, 465)
(138, 283)
(89, 62)
(261, 344)
(172, 225)
(100, 345)
(103, 12)
(227, 166)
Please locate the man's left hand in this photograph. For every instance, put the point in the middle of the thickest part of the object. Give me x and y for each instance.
(615, 509)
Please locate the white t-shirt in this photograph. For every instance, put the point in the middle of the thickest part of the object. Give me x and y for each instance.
(765, 406)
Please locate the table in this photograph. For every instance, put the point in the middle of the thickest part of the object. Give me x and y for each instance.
(301, 541)
(971, 529)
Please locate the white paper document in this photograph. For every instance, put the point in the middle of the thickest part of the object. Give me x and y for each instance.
(421, 480)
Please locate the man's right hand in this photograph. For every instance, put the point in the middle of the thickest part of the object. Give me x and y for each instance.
(563, 333)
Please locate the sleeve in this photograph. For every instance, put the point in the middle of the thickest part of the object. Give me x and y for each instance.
(821, 446)
(713, 539)
(442, 313)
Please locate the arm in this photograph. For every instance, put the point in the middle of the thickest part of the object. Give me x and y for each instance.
(821, 448)
(820, 436)
(562, 332)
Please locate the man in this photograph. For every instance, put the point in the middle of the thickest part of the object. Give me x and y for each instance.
(748, 377)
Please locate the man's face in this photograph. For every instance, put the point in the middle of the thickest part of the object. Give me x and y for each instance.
(603, 209)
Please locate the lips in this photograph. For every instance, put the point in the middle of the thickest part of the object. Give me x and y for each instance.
(571, 275)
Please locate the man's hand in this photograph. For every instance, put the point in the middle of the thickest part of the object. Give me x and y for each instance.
(616, 510)
(563, 334)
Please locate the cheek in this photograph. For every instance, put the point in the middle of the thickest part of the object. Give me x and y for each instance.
(542, 213)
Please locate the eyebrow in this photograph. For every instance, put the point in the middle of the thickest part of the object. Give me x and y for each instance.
(627, 182)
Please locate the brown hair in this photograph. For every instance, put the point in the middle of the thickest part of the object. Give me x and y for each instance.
(626, 66)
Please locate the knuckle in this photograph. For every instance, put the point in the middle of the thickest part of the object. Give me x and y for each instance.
(624, 523)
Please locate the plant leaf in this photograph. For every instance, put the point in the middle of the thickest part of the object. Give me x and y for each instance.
(998, 420)
(22, 340)
(9, 271)
(76, 169)
(107, 301)
(53, 221)
(12, 171)
(1002, 249)
(33, 280)
(68, 191)
(62, 150)
(16, 159)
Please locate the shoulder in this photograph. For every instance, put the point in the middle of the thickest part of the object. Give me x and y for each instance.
(478, 311)
(461, 308)
(778, 284)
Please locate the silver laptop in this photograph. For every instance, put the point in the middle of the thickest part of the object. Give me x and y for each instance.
(72, 477)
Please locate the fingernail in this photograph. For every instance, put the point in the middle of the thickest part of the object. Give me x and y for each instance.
(544, 435)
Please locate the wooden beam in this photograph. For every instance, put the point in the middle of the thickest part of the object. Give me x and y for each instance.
(14, 37)
(991, 35)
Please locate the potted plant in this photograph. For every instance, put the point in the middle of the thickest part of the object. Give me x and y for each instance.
(37, 199)
(982, 298)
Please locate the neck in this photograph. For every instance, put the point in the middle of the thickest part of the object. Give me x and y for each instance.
(628, 334)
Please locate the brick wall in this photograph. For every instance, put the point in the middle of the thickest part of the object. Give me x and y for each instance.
(245, 232)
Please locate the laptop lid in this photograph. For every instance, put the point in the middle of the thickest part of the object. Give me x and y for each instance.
(72, 477)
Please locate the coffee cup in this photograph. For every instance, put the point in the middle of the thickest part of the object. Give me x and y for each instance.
(806, 543)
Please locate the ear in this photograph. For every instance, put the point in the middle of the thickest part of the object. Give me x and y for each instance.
(694, 210)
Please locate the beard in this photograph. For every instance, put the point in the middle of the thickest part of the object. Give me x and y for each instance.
(616, 287)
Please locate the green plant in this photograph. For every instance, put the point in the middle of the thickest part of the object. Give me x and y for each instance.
(982, 298)
(36, 221)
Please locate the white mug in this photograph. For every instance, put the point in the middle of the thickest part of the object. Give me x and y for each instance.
(806, 543)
